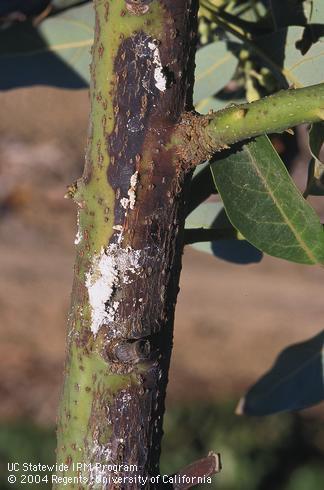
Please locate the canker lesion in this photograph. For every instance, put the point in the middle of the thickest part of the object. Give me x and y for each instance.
(192, 128)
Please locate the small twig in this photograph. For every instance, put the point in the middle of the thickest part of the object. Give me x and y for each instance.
(273, 114)
(202, 468)
(248, 40)
(42, 15)
(274, 20)
(244, 25)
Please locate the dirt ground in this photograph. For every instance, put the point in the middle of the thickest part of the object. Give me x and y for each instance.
(231, 320)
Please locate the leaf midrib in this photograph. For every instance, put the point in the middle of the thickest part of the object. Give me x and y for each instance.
(303, 245)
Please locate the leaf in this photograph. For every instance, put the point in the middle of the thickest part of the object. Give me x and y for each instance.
(294, 382)
(215, 66)
(315, 181)
(56, 52)
(212, 215)
(289, 55)
(264, 204)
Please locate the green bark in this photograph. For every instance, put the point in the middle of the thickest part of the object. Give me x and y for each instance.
(130, 220)
(131, 212)
(274, 114)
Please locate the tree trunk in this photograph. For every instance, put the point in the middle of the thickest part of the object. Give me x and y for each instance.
(131, 201)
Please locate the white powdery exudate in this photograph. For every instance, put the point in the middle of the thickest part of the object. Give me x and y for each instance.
(159, 76)
(78, 237)
(110, 268)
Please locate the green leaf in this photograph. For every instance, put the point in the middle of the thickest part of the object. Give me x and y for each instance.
(212, 215)
(215, 66)
(315, 181)
(294, 382)
(264, 204)
(286, 50)
(56, 52)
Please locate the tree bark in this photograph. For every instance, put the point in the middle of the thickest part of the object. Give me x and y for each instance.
(144, 140)
(131, 212)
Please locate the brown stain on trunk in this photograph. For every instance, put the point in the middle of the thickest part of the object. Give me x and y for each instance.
(127, 429)
(140, 142)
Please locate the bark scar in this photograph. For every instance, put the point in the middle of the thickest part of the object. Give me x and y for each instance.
(138, 7)
(196, 145)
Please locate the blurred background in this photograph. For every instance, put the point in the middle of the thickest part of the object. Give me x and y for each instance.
(231, 323)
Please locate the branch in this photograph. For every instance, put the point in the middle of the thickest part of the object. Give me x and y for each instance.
(214, 13)
(200, 136)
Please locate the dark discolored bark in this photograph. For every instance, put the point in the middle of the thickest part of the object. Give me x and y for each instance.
(132, 211)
